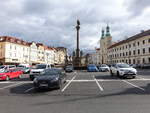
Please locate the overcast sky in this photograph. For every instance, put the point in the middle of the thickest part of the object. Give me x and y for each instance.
(53, 22)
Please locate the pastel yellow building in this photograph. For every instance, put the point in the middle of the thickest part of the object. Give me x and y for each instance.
(16, 51)
(13, 50)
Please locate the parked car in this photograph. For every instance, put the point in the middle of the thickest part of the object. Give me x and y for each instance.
(103, 68)
(10, 74)
(50, 78)
(145, 66)
(92, 68)
(24, 68)
(123, 70)
(133, 65)
(38, 70)
(6, 67)
(69, 68)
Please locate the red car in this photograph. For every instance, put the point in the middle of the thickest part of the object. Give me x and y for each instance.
(9, 74)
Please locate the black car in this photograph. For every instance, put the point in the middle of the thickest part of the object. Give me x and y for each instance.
(69, 69)
(50, 78)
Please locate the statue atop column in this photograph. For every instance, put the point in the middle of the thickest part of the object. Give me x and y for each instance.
(77, 60)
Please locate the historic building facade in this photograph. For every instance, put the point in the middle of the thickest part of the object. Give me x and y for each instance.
(13, 50)
(16, 51)
(134, 50)
(105, 42)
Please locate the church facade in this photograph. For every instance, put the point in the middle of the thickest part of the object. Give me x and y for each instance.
(105, 42)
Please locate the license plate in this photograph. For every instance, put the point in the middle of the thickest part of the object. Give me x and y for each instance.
(130, 73)
(44, 85)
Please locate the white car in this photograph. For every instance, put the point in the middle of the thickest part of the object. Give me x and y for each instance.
(103, 68)
(123, 70)
(6, 67)
(38, 70)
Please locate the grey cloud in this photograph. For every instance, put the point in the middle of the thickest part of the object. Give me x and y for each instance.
(136, 7)
(53, 22)
(37, 7)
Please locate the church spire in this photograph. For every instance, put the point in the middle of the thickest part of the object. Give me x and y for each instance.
(107, 31)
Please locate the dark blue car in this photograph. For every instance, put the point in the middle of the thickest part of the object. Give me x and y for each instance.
(92, 68)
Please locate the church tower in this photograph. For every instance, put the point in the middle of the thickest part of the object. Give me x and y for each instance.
(105, 42)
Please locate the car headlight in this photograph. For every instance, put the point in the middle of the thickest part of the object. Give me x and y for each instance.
(35, 80)
(55, 79)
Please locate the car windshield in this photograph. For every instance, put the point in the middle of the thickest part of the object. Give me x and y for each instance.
(123, 65)
(1, 67)
(40, 66)
(21, 66)
(51, 72)
(92, 65)
(103, 65)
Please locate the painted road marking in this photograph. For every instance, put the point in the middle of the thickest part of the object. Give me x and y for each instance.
(133, 85)
(10, 86)
(5, 82)
(29, 89)
(107, 80)
(68, 84)
(100, 87)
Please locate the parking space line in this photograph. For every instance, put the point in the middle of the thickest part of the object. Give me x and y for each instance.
(26, 91)
(100, 87)
(10, 86)
(5, 82)
(81, 80)
(68, 84)
(8, 82)
(140, 77)
(133, 85)
(108, 80)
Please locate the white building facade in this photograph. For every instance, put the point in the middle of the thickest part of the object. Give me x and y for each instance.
(134, 50)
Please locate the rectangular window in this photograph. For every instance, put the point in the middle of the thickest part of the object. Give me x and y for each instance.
(149, 49)
(129, 45)
(143, 50)
(138, 51)
(149, 59)
(133, 52)
(143, 60)
(10, 46)
(138, 43)
(123, 54)
(129, 52)
(133, 61)
(126, 53)
(143, 41)
(149, 40)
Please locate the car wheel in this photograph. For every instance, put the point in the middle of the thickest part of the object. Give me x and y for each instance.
(20, 76)
(111, 73)
(7, 78)
(118, 74)
(60, 84)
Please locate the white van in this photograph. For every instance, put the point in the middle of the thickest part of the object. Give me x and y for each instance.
(39, 68)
